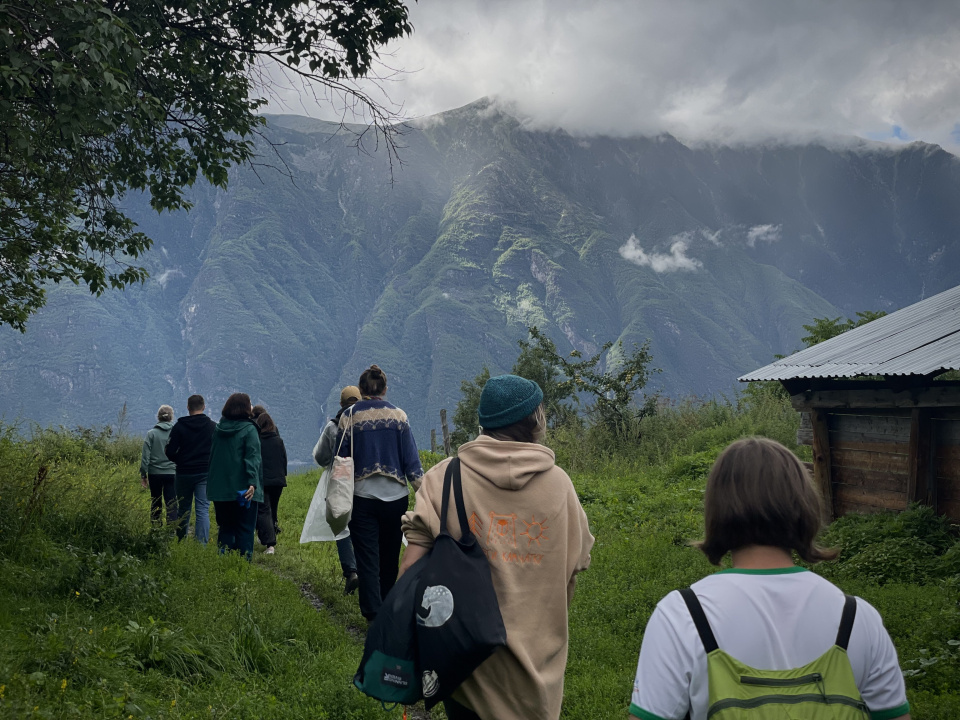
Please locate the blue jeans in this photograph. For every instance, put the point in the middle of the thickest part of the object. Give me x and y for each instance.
(235, 526)
(190, 489)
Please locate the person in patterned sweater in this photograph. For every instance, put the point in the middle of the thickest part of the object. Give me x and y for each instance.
(385, 459)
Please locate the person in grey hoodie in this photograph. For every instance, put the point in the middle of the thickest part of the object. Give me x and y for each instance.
(156, 471)
(323, 453)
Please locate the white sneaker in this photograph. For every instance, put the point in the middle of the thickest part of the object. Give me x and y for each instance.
(270, 550)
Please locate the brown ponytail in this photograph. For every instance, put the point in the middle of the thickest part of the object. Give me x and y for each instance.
(373, 382)
(266, 423)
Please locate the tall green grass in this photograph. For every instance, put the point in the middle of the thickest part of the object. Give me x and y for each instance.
(103, 617)
(683, 427)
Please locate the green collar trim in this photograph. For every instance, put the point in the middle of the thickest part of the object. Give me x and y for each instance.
(763, 571)
(891, 713)
(638, 712)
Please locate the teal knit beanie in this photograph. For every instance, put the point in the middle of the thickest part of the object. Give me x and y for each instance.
(507, 399)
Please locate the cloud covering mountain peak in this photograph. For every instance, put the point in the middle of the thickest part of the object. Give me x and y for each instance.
(729, 72)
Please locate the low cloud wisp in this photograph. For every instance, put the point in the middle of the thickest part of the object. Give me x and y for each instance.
(763, 233)
(660, 262)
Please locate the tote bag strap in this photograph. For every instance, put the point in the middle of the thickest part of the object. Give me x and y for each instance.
(344, 436)
(452, 479)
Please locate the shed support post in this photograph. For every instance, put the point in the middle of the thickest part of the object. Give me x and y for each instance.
(921, 483)
(821, 458)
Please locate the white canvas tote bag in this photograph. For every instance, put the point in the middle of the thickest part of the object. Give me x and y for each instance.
(340, 487)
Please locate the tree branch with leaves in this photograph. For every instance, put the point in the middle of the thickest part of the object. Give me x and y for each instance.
(102, 97)
(614, 385)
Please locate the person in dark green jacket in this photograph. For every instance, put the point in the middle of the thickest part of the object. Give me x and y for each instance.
(233, 483)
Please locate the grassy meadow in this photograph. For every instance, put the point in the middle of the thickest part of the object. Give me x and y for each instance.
(102, 617)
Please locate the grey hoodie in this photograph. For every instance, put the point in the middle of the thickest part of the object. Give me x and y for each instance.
(525, 513)
(153, 459)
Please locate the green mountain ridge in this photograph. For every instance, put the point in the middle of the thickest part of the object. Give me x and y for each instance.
(290, 282)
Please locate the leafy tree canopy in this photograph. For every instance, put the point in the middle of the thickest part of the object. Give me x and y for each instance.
(100, 97)
(465, 416)
(826, 328)
(564, 379)
(819, 330)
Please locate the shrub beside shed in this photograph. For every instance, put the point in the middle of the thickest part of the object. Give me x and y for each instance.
(885, 430)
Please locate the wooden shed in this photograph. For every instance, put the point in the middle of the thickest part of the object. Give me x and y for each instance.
(885, 430)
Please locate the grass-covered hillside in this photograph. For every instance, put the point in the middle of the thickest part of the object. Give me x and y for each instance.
(100, 617)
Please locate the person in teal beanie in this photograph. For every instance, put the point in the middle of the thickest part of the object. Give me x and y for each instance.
(507, 399)
(233, 484)
(525, 514)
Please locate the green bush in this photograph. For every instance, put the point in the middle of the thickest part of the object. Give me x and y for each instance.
(913, 546)
(58, 487)
(429, 459)
(117, 579)
(900, 560)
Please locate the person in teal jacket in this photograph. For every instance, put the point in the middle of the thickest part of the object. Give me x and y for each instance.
(233, 483)
(156, 471)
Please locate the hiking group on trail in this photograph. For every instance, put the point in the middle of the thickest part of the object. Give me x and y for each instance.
(765, 638)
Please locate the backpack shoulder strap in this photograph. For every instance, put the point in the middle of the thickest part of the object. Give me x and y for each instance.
(458, 499)
(846, 621)
(451, 481)
(699, 619)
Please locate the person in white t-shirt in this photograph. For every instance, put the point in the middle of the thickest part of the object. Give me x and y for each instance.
(766, 612)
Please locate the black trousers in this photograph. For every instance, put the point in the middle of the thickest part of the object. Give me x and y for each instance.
(376, 536)
(162, 493)
(456, 711)
(267, 515)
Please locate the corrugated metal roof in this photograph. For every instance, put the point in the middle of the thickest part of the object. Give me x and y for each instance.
(917, 340)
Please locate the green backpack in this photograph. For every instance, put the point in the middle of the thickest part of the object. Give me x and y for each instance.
(824, 689)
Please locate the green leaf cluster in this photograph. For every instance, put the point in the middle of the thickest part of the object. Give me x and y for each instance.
(99, 98)
(612, 386)
(825, 328)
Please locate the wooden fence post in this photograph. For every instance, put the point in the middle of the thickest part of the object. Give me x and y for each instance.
(446, 433)
(433, 440)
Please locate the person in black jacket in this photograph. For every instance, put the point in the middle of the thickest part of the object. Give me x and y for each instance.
(274, 456)
(189, 449)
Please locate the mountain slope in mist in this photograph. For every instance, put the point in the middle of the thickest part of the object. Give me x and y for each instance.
(294, 279)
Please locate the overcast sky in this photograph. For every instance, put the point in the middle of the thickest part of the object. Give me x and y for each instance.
(728, 70)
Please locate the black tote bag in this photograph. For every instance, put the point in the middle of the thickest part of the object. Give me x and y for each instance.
(389, 670)
(458, 617)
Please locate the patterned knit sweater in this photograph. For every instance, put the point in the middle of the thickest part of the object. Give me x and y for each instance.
(382, 442)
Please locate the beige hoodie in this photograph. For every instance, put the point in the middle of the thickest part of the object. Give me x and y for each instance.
(526, 515)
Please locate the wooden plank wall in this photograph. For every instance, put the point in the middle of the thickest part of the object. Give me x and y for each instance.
(946, 465)
(869, 460)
